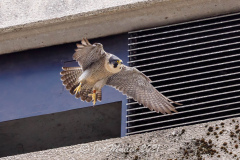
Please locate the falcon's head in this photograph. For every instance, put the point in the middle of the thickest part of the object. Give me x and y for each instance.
(115, 64)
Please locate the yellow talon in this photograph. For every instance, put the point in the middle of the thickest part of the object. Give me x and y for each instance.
(77, 89)
(94, 97)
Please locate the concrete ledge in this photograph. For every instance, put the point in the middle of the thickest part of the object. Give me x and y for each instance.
(213, 140)
(58, 24)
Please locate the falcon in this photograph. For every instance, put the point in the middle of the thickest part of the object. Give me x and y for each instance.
(98, 68)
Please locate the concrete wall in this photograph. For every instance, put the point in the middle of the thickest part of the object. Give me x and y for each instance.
(33, 24)
(209, 141)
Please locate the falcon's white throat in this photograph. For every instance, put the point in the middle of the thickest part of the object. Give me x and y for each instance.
(110, 68)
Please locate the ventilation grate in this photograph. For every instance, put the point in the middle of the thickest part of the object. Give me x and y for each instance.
(195, 63)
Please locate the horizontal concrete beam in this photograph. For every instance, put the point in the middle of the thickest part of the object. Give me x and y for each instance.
(35, 24)
(213, 140)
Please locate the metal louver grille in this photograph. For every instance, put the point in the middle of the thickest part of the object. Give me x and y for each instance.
(195, 63)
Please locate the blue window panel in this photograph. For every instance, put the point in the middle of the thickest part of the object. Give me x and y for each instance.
(30, 80)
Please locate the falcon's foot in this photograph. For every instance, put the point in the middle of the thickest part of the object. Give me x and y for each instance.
(78, 89)
(94, 97)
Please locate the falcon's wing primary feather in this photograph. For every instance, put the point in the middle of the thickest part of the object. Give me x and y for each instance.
(136, 85)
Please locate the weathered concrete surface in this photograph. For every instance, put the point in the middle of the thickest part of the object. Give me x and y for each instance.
(27, 11)
(34, 24)
(213, 140)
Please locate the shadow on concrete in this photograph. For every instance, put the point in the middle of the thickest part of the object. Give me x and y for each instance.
(60, 129)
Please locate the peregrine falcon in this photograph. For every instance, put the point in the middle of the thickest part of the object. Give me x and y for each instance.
(99, 68)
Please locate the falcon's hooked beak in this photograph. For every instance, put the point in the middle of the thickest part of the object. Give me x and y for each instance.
(119, 62)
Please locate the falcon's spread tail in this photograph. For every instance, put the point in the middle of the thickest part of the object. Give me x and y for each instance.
(70, 76)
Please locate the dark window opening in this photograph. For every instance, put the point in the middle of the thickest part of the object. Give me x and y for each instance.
(196, 63)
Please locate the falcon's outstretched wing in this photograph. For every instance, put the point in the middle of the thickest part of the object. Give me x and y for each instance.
(136, 85)
(86, 53)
